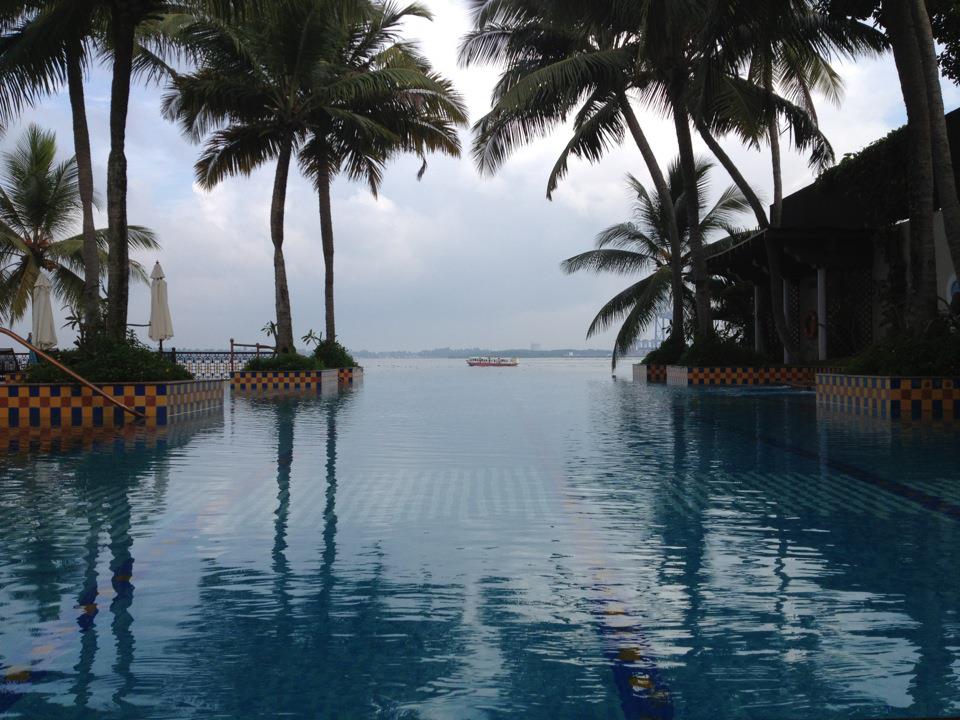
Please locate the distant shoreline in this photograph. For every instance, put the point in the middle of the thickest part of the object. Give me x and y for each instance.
(463, 354)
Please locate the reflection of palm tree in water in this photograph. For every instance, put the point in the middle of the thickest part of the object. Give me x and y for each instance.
(331, 643)
(329, 509)
(104, 493)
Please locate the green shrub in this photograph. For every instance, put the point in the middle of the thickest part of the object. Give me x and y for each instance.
(334, 355)
(667, 354)
(714, 352)
(285, 361)
(937, 354)
(107, 360)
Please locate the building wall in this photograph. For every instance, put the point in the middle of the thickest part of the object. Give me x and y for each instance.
(945, 273)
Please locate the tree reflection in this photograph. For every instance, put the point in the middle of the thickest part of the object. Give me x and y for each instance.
(327, 641)
(76, 499)
(804, 589)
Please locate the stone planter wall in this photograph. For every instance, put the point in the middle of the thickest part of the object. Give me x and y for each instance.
(795, 376)
(71, 406)
(650, 374)
(891, 398)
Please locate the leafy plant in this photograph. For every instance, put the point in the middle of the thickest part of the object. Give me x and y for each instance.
(311, 338)
(104, 359)
(270, 329)
(935, 354)
(715, 352)
(39, 204)
(333, 355)
(667, 354)
(284, 362)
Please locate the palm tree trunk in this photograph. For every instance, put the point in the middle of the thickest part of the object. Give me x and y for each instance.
(773, 251)
(326, 235)
(736, 176)
(942, 156)
(776, 161)
(898, 19)
(81, 142)
(277, 209)
(118, 264)
(663, 190)
(688, 167)
(774, 264)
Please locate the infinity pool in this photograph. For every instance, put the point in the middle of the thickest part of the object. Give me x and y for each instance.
(446, 542)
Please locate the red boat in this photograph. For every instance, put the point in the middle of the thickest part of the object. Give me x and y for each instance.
(492, 362)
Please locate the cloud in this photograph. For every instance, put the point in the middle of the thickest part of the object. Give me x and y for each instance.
(457, 259)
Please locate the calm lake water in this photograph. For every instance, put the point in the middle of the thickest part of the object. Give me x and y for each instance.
(446, 542)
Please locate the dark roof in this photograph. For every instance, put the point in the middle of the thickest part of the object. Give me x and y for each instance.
(803, 250)
(865, 190)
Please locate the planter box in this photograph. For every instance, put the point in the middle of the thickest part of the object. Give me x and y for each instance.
(650, 374)
(891, 398)
(718, 376)
(76, 406)
(261, 382)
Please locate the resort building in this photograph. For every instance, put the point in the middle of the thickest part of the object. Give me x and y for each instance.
(845, 250)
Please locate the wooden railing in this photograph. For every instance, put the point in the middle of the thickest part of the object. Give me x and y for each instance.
(258, 346)
(86, 383)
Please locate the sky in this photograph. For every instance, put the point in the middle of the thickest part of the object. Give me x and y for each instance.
(455, 260)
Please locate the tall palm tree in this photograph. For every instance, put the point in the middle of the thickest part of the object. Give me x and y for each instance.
(373, 96)
(786, 49)
(566, 57)
(642, 243)
(124, 18)
(43, 45)
(39, 202)
(251, 98)
(322, 80)
(562, 59)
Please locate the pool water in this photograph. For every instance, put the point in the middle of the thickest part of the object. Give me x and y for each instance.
(447, 542)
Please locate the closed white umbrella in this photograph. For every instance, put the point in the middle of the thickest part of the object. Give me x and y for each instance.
(161, 325)
(44, 331)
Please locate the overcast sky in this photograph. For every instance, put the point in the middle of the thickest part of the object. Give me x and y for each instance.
(454, 260)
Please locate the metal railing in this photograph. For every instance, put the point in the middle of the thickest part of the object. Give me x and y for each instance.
(212, 364)
(71, 373)
(203, 364)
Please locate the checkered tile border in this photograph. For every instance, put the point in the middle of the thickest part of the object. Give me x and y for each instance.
(348, 377)
(893, 398)
(781, 375)
(132, 436)
(650, 374)
(77, 406)
(284, 381)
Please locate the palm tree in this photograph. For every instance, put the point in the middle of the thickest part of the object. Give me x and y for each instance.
(642, 243)
(250, 96)
(39, 203)
(786, 48)
(44, 44)
(562, 59)
(587, 59)
(344, 100)
(373, 96)
(929, 164)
